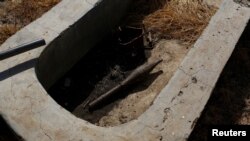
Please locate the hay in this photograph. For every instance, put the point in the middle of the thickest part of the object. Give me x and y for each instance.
(29, 10)
(16, 14)
(179, 19)
(6, 31)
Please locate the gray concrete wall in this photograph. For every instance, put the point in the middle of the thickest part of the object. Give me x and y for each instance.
(62, 53)
(35, 116)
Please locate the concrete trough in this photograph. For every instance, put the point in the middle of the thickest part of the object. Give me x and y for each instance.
(70, 29)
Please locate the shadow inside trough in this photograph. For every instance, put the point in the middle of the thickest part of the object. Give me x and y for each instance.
(105, 66)
(230, 101)
(101, 69)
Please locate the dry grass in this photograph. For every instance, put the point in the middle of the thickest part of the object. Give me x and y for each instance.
(6, 31)
(179, 19)
(15, 14)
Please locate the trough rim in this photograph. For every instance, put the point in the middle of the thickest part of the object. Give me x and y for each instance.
(31, 120)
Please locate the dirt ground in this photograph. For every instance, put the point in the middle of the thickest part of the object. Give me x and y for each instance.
(139, 97)
(137, 102)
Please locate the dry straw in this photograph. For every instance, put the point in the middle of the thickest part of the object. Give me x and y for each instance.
(179, 19)
(16, 14)
(6, 31)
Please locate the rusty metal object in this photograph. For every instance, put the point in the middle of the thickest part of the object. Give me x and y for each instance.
(137, 73)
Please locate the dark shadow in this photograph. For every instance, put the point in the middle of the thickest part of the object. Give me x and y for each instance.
(17, 69)
(91, 72)
(230, 101)
(6, 133)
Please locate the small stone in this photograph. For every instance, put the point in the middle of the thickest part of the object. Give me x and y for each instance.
(194, 80)
(180, 93)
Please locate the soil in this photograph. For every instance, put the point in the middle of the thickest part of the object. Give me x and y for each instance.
(141, 97)
(136, 99)
(108, 64)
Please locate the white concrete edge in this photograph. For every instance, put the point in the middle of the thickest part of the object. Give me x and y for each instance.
(34, 115)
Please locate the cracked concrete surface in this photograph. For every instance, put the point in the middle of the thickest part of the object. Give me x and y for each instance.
(34, 115)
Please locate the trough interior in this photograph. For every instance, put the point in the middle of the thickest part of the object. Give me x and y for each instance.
(103, 66)
(107, 64)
